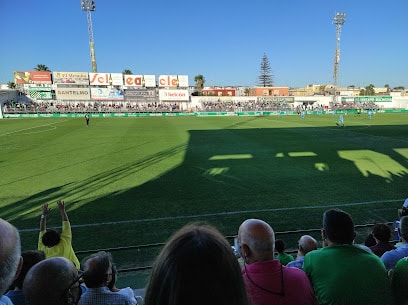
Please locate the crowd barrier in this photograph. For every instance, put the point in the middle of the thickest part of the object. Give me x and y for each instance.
(176, 114)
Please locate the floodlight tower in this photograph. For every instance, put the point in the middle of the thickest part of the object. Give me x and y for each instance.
(89, 6)
(339, 20)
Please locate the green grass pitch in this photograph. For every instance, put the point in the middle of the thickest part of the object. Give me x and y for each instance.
(134, 181)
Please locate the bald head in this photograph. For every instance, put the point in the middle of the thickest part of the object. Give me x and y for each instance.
(10, 251)
(257, 240)
(306, 244)
(48, 282)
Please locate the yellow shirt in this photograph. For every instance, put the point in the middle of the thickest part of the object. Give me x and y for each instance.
(63, 248)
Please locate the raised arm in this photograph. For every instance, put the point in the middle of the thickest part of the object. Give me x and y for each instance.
(61, 206)
(45, 211)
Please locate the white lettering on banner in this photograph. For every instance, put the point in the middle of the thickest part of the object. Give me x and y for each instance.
(168, 81)
(99, 78)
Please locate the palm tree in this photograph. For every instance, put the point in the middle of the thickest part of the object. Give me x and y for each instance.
(127, 71)
(41, 67)
(11, 85)
(200, 81)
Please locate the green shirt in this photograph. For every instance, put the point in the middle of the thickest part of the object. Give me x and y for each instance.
(400, 280)
(284, 258)
(348, 274)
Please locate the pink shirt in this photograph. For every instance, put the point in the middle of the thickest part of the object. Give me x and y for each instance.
(263, 282)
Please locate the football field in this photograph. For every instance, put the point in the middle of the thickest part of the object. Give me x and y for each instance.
(134, 181)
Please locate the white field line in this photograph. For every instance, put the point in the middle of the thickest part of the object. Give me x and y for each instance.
(169, 218)
(34, 127)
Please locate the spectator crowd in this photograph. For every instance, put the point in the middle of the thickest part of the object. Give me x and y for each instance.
(198, 266)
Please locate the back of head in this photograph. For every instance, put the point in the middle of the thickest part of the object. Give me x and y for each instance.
(96, 269)
(196, 266)
(48, 282)
(404, 228)
(382, 232)
(307, 243)
(280, 245)
(10, 251)
(338, 226)
(30, 258)
(51, 238)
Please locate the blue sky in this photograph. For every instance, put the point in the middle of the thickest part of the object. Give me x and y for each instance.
(222, 40)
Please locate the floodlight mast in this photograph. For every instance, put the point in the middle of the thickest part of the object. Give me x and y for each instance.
(339, 20)
(89, 6)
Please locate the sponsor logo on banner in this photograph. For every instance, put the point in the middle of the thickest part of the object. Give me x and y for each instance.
(106, 94)
(173, 95)
(81, 78)
(72, 94)
(32, 77)
(98, 78)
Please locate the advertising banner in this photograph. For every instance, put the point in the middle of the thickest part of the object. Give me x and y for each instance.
(366, 99)
(98, 78)
(183, 81)
(116, 79)
(140, 95)
(107, 94)
(168, 81)
(81, 94)
(32, 77)
(80, 78)
(174, 95)
(40, 95)
(134, 80)
(150, 81)
(276, 99)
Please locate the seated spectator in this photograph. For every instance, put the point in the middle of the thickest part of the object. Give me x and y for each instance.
(53, 281)
(97, 276)
(267, 281)
(342, 273)
(306, 244)
(403, 211)
(10, 255)
(282, 256)
(399, 281)
(30, 258)
(382, 235)
(369, 240)
(196, 267)
(126, 291)
(390, 258)
(55, 244)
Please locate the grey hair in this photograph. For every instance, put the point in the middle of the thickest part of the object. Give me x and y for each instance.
(8, 267)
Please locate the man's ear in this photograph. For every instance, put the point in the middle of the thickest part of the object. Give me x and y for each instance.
(20, 266)
(245, 251)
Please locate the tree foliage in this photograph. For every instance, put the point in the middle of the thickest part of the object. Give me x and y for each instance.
(265, 79)
(127, 72)
(368, 91)
(11, 85)
(41, 67)
(200, 81)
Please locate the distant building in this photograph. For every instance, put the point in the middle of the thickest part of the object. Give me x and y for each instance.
(209, 91)
(269, 91)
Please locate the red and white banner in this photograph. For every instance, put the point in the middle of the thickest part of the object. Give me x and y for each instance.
(32, 77)
(97, 79)
(174, 95)
(80, 78)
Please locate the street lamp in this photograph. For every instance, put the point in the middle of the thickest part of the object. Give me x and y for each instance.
(89, 6)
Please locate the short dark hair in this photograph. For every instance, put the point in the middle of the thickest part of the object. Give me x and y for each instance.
(279, 245)
(339, 226)
(30, 258)
(51, 238)
(382, 232)
(196, 259)
(96, 267)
